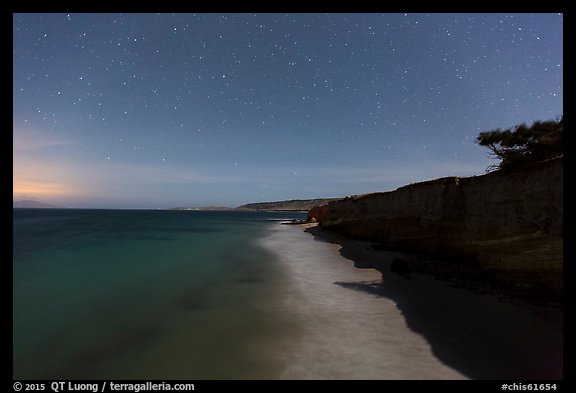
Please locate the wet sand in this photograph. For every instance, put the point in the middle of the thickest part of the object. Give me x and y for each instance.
(482, 336)
(337, 332)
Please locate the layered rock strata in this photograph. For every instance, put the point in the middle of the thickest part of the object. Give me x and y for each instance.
(509, 224)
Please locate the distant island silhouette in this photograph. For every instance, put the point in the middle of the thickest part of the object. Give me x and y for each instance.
(31, 204)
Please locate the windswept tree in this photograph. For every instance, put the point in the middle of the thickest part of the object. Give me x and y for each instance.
(521, 145)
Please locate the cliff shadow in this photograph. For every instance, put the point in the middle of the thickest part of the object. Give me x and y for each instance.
(480, 335)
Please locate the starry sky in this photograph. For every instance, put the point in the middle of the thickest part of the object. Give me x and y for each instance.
(164, 110)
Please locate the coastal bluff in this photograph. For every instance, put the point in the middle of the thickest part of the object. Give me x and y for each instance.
(505, 224)
(291, 205)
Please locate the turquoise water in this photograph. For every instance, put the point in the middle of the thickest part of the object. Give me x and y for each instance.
(126, 294)
(145, 294)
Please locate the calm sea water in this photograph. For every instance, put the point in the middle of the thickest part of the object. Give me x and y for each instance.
(128, 294)
(121, 294)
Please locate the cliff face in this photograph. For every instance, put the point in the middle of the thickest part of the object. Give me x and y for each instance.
(509, 224)
(317, 213)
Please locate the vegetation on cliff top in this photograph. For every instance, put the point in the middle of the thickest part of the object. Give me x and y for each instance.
(521, 145)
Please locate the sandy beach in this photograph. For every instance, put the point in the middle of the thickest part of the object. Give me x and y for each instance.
(482, 336)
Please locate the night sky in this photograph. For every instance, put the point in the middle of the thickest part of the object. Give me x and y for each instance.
(164, 110)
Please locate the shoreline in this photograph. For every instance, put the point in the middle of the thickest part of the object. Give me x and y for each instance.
(340, 332)
(484, 335)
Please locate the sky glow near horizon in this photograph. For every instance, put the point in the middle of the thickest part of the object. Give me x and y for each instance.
(164, 110)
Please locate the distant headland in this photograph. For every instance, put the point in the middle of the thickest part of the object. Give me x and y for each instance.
(31, 204)
(291, 205)
(302, 205)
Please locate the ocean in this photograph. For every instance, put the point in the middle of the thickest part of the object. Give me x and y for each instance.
(159, 294)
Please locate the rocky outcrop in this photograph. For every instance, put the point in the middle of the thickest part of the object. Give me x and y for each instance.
(507, 223)
(317, 214)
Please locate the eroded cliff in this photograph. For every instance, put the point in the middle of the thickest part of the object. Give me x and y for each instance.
(509, 224)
